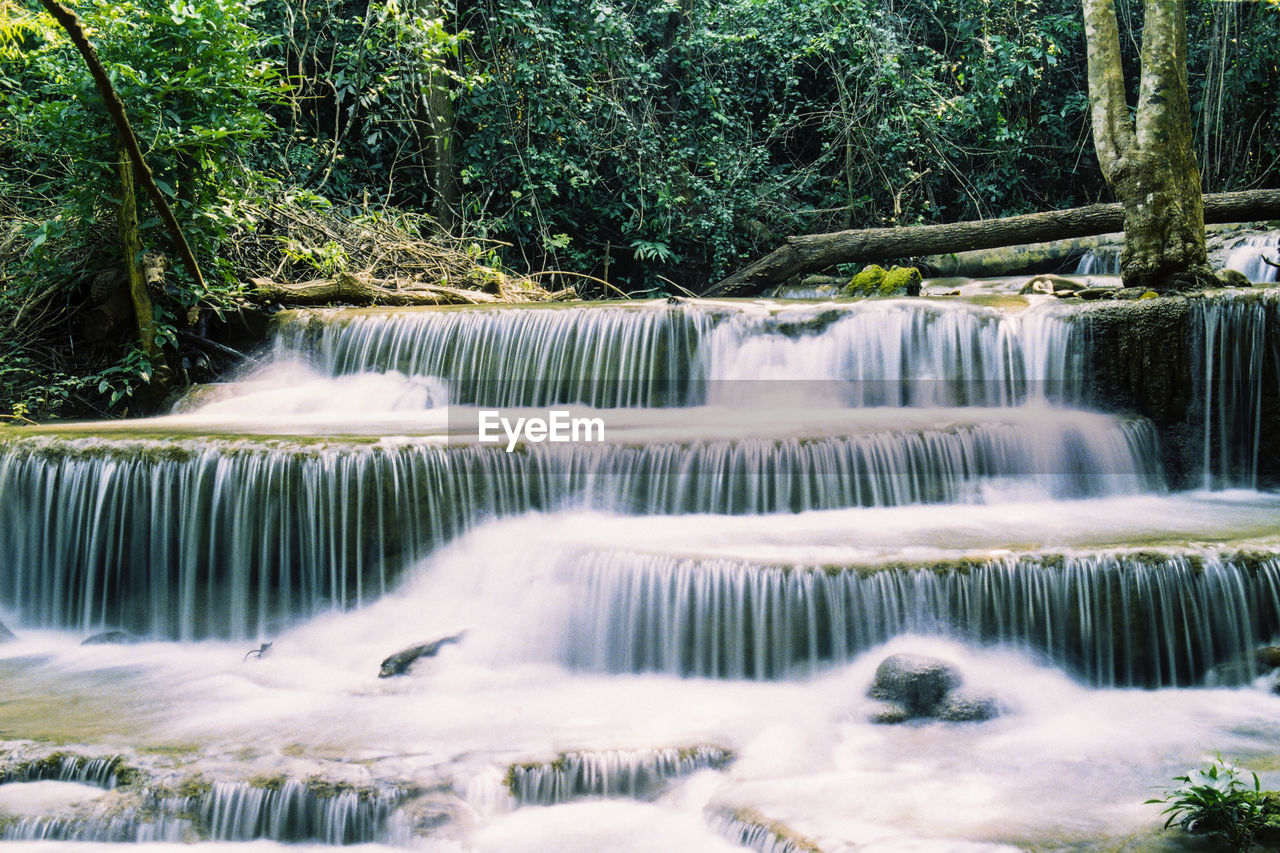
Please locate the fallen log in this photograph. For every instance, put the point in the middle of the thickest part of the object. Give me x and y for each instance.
(357, 290)
(813, 252)
(1018, 259)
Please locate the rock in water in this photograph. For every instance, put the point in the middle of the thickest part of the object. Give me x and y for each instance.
(1234, 278)
(399, 663)
(888, 714)
(961, 706)
(916, 682)
(112, 638)
(1055, 285)
(5, 634)
(1268, 656)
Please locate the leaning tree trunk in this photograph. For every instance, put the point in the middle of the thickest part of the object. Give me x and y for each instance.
(1149, 160)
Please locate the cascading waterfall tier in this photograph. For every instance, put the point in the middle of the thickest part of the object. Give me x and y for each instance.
(279, 809)
(1115, 619)
(638, 774)
(1104, 260)
(291, 810)
(1247, 257)
(99, 772)
(193, 538)
(886, 352)
(1236, 362)
(754, 831)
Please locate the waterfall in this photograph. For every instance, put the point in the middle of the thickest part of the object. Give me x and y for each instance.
(642, 355)
(1104, 260)
(278, 809)
(756, 832)
(1246, 256)
(291, 810)
(99, 772)
(638, 774)
(193, 538)
(901, 353)
(132, 825)
(1235, 357)
(877, 352)
(1120, 619)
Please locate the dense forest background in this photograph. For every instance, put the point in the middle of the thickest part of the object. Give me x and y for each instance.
(656, 143)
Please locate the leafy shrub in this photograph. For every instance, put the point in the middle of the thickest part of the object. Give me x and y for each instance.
(1217, 799)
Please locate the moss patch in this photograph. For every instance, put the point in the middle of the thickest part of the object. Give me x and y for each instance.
(875, 280)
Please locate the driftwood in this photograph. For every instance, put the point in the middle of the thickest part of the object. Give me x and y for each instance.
(399, 663)
(358, 290)
(814, 252)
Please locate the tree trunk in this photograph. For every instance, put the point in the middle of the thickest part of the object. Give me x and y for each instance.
(131, 248)
(440, 104)
(814, 252)
(1149, 161)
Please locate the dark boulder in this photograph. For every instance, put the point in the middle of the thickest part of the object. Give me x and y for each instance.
(962, 706)
(916, 686)
(399, 663)
(1234, 278)
(916, 682)
(5, 634)
(888, 714)
(1268, 657)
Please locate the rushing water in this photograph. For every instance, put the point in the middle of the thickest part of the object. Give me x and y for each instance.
(1235, 367)
(198, 538)
(1104, 260)
(1247, 256)
(665, 639)
(1115, 619)
(887, 352)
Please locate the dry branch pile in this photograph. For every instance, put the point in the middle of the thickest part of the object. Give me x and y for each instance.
(296, 254)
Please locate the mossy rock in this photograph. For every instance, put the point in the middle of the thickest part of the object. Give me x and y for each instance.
(866, 282)
(875, 280)
(901, 281)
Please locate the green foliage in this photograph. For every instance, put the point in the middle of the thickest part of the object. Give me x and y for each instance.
(190, 74)
(677, 140)
(1217, 799)
(195, 85)
(1235, 91)
(371, 85)
(655, 143)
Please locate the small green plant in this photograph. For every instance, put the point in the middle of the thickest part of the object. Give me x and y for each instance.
(1217, 799)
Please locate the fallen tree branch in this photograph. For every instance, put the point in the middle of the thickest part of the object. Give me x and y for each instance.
(355, 290)
(813, 252)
